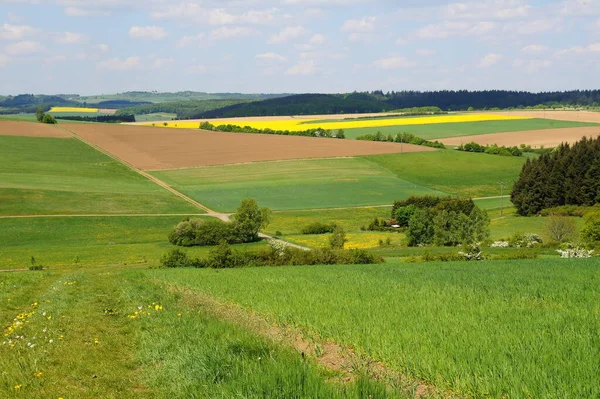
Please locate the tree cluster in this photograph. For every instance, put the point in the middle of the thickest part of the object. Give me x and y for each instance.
(441, 221)
(100, 118)
(318, 132)
(43, 117)
(492, 149)
(570, 175)
(401, 138)
(247, 222)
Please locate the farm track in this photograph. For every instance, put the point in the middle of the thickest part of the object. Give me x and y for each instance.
(328, 354)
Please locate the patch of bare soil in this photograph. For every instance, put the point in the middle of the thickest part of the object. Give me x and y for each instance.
(107, 111)
(346, 362)
(30, 129)
(153, 148)
(534, 138)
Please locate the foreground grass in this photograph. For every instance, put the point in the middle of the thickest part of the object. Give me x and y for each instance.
(65, 176)
(455, 172)
(445, 130)
(515, 329)
(90, 241)
(303, 184)
(133, 338)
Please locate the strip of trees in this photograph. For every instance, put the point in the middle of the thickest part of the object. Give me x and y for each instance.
(570, 175)
(401, 138)
(318, 132)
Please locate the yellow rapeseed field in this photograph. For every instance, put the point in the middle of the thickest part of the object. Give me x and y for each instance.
(72, 109)
(297, 125)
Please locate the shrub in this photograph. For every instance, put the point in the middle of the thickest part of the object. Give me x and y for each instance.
(222, 256)
(176, 258)
(36, 267)
(249, 219)
(197, 232)
(520, 240)
(561, 228)
(591, 229)
(471, 252)
(403, 214)
(318, 228)
(420, 228)
(575, 252)
(338, 238)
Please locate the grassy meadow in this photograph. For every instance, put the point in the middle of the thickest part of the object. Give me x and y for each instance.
(514, 329)
(445, 130)
(303, 184)
(65, 176)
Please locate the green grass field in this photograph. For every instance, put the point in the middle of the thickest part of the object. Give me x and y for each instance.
(454, 172)
(303, 184)
(445, 130)
(135, 338)
(515, 329)
(58, 241)
(65, 176)
(159, 116)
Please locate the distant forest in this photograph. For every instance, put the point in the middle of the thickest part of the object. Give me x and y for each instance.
(183, 109)
(29, 103)
(377, 101)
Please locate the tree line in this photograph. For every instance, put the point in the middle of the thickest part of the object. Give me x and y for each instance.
(570, 175)
(99, 118)
(318, 132)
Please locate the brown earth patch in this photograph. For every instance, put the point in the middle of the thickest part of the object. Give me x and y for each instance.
(107, 111)
(534, 138)
(153, 148)
(30, 129)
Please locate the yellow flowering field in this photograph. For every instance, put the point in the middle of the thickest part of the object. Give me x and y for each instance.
(356, 240)
(296, 125)
(73, 109)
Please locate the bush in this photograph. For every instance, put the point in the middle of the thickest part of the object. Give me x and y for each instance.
(36, 267)
(403, 214)
(338, 238)
(49, 119)
(591, 229)
(222, 256)
(561, 228)
(520, 240)
(249, 219)
(198, 232)
(318, 228)
(175, 258)
(420, 228)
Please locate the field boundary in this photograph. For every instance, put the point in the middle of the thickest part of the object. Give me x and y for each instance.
(326, 353)
(209, 212)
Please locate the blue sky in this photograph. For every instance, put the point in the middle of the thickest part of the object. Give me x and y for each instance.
(107, 46)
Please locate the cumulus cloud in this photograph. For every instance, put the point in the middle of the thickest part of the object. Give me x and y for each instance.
(580, 50)
(449, 28)
(287, 34)
(198, 40)
(16, 32)
(70, 38)
(26, 47)
(214, 16)
(117, 64)
(532, 66)
(317, 39)
(424, 52)
(490, 60)
(147, 32)
(307, 67)
(4, 60)
(227, 32)
(85, 12)
(534, 49)
(271, 57)
(394, 62)
(366, 24)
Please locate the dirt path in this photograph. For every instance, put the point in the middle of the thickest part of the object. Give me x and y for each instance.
(329, 354)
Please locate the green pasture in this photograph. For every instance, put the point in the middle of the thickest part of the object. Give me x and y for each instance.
(65, 176)
(302, 184)
(135, 338)
(517, 329)
(75, 113)
(159, 116)
(454, 172)
(90, 241)
(19, 117)
(445, 130)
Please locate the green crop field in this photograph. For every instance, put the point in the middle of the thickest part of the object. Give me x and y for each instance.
(89, 241)
(454, 172)
(65, 176)
(303, 184)
(515, 329)
(445, 130)
(159, 116)
(135, 338)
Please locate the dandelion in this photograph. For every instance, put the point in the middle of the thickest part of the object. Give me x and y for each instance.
(96, 341)
(179, 314)
(38, 374)
(16, 387)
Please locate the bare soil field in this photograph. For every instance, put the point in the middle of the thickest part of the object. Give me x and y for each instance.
(30, 129)
(159, 148)
(574, 116)
(107, 111)
(534, 138)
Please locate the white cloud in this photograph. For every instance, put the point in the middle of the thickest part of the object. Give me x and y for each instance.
(55, 59)
(534, 49)
(394, 62)
(532, 66)
(197, 40)
(307, 67)
(84, 12)
(26, 47)
(218, 16)
(317, 39)
(366, 24)
(449, 28)
(147, 32)
(226, 32)
(580, 50)
(287, 34)
(533, 27)
(104, 48)
(4, 60)
(160, 63)
(490, 60)
(16, 32)
(497, 9)
(117, 64)
(271, 57)
(70, 38)
(401, 41)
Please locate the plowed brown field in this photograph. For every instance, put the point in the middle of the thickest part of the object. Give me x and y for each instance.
(30, 129)
(535, 138)
(160, 148)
